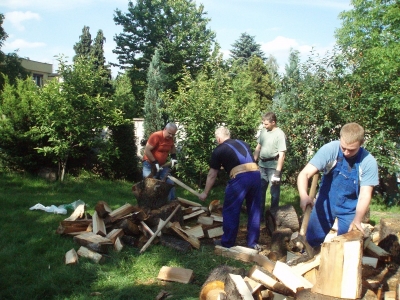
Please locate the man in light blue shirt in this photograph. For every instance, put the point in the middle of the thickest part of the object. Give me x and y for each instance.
(349, 175)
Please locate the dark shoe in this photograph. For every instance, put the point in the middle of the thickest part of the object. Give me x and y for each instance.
(217, 243)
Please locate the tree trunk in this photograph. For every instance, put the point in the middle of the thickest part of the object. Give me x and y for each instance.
(281, 218)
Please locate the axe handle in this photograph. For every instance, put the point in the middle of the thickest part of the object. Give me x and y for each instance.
(306, 217)
(180, 183)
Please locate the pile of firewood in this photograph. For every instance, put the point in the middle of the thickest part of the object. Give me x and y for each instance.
(140, 227)
(349, 266)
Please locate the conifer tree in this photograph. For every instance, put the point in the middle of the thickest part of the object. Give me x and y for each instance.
(153, 119)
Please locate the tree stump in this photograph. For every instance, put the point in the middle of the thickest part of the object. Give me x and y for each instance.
(282, 217)
(389, 235)
(151, 193)
(219, 285)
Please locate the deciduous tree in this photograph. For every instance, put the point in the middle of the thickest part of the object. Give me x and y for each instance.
(178, 26)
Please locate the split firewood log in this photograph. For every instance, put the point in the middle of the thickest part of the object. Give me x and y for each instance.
(219, 283)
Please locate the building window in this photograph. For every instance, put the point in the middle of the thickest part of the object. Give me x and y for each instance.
(38, 79)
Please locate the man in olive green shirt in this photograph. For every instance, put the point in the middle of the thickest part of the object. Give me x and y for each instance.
(270, 153)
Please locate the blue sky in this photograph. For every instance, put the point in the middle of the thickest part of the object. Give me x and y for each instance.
(43, 29)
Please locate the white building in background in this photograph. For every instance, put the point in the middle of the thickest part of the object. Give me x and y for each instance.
(41, 72)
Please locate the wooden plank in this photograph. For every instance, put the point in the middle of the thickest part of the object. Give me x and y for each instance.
(390, 295)
(190, 209)
(376, 251)
(121, 212)
(186, 203)
(215, 232)
(258, 274)
(311, 276)
(71, 257)
(217, 218)
(193, 214)
(102, 209)
(94, 242)
(175, 274)
(204, 220)
(190, 238)
(197, 231)
(241, 287)
(290, 279)
(264, 262)
(304, 267)
(67, 226)
(94, 256)
(78, 213)
(118, 245)
(252, 285)
(114, 234)
(98, 225)
(236, 253)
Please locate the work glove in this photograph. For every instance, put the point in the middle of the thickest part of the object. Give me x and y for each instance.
(156, 166)
(276, 177)
(174, 160)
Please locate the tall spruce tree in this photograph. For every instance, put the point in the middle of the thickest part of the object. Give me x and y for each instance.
(245, 47)
(84, 46)
(153, 119)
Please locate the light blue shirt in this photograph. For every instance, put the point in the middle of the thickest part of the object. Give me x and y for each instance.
(325, 159)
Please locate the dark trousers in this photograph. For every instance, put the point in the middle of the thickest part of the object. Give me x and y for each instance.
(246, 186)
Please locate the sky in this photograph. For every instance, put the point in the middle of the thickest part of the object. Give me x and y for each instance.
(42, 30)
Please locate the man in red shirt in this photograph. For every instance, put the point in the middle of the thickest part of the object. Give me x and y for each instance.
(159, 145)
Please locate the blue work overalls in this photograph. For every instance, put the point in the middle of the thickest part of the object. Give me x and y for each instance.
(337, 198)
(244, 186)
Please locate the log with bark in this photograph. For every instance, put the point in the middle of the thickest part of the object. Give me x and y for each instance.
(281, 218)
(219, 284)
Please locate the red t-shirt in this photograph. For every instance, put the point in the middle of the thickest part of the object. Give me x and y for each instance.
(162, 147)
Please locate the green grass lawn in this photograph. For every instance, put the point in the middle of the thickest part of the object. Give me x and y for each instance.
(32, 254)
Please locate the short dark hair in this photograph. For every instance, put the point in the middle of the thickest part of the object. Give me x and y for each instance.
(269, 116)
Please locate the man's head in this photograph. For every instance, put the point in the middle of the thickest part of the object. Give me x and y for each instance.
(269, 121)
(222, 134)
(170, 130)
(351, 139)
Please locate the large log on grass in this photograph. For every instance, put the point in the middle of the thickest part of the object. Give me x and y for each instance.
(219, 284)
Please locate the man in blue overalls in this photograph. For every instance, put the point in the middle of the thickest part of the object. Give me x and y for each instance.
(349, 175)
(236, 158)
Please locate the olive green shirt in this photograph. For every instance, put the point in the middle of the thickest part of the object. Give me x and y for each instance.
(272, 142)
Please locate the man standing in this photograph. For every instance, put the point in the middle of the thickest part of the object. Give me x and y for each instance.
(349, 175)
(236, 158)
(270, 153)
(159, 145)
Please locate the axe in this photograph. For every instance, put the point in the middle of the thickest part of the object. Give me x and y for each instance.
(300, 236)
